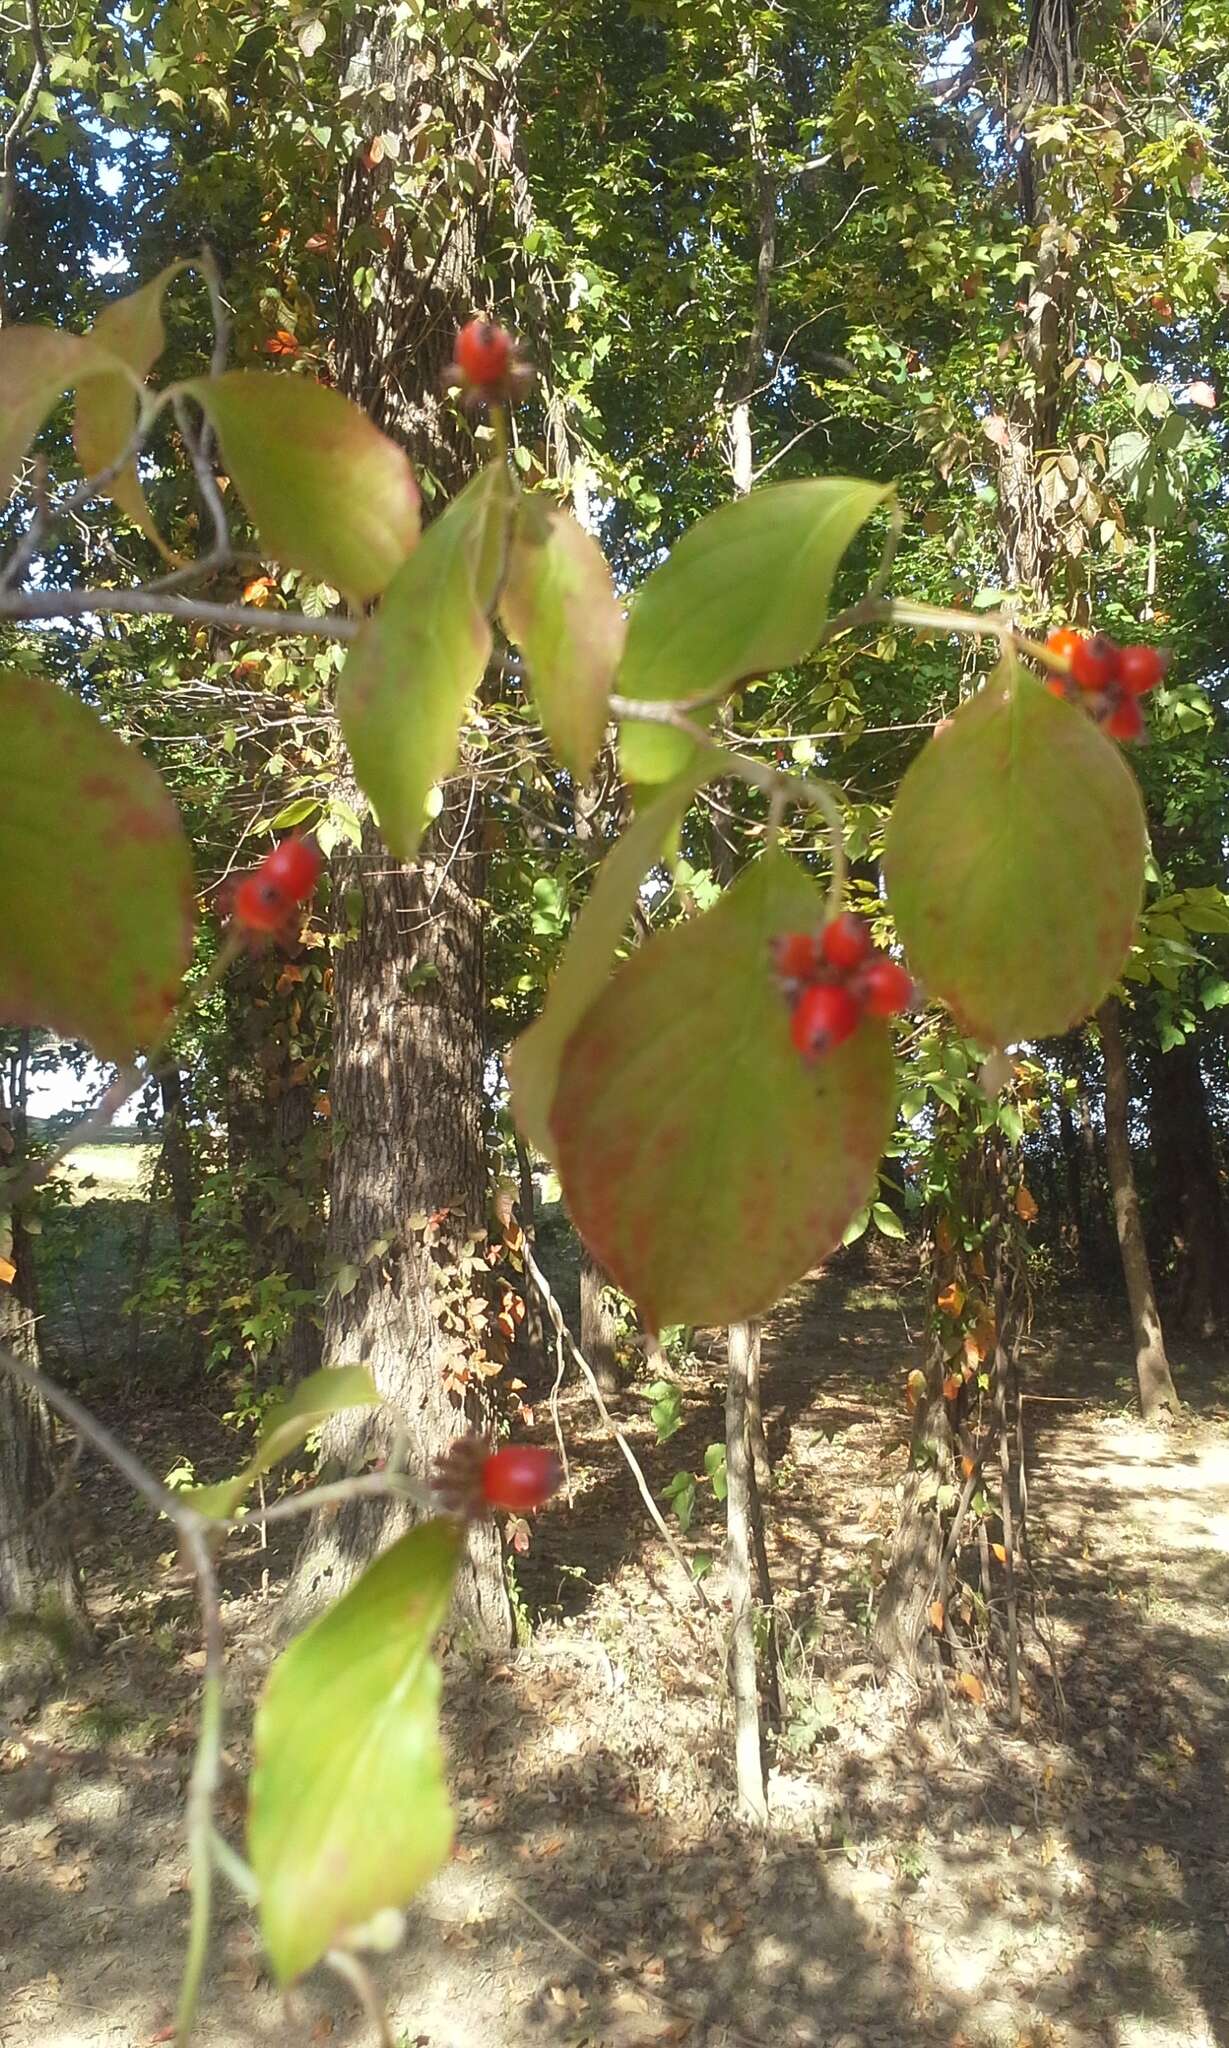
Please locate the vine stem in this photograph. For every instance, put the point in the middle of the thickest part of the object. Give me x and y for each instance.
(565, 1336)
(202, 1786)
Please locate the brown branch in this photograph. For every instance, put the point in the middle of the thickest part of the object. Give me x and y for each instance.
(22, 116)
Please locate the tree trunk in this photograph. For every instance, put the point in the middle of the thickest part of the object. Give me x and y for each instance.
(1187, 1204)
(740, 1512)
(901, 1618)
(408, 1062)
(38, 1571)
(597, 1324)
(757, 1441)
(1157, 1393)
(175, 1162)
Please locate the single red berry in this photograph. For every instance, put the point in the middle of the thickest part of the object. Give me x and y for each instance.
(484, 353)
(1063, 642)
(293, 867)
(1126, 720)
(796, 955)
(260, 904)
(885, 986)
(1094, 662)
(520, 1476)
(1141, 668)
(824, 1017)
(845, 942)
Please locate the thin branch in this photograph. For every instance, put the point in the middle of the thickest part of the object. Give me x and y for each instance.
(139, 1477)
(565, 1336)
(359, 1978)
(22, 116)
(48, 510)
(236, 618)
(202, 1785)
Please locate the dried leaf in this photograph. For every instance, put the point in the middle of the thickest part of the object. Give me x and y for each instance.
(1026, 1207)
(937, 1615)
(971, 1686)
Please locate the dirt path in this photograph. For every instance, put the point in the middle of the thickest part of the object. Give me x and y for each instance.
(1065, 1887)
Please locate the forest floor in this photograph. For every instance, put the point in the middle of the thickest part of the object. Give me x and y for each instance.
(929, 1876)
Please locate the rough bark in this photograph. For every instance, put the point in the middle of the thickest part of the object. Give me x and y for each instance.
(408, 1063)
(1157, 1393)
(757, 1440)
(38, 1571)
(175, 1166)
(901, 1624)
(744, 1683)
(597, 1324)
(1187, 1201)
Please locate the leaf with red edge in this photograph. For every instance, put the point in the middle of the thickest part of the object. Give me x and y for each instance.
(706, 1165)
(558, 605)
(132, 330)
(533, 1064)
(96, 938)
(1014, 862)
(328, 493)
(412, 670)
(37, 366)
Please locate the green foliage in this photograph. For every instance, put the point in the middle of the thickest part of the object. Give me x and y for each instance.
(1015, 862)
(38, 364)
(558, 605)
(348, 1812)
(285, 1427)
(99, 932)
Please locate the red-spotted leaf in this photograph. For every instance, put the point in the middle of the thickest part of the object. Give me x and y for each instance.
(97, 924)
(558, 605)
(410, 674)
(132, 331)
(348, 1809)
(1014, 862)
(37, 366)
(533, 1063)
(744, 592)
(327, 492)
(705, 1163)
(287, 1425)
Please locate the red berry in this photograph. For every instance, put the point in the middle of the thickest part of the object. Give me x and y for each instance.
(260, 904)
(824, 1017)
(293, 867)
(520, 1476)
(1141, 668)
(886, 987)
(845, 942)
(1126, 720)
(1094, 662)
(796, 955)
(1056, 686)
(1063, 642)
(484, 353)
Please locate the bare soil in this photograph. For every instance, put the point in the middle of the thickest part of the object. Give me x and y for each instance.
(930, 1876)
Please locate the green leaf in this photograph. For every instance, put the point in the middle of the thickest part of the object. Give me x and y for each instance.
(348, 1809)
(1010, 1120)
(131, 330)
(744, 592)
(1215, 993)
(666, 1409)
(95, 939)
(327, 492)
(857, 1227)
(1014, 862)
(558, 605)
(286, 1426)
(714, 1465)
(681, 1494)
(412, 670)
(705, 1162)
(886, 1221)
(37, 365)
(533, 1064)
(295, 813)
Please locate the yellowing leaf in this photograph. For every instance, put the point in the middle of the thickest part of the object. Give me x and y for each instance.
(937, 1614)
(37, 365)
(558, 605)
(951, 1386)
(1026, 1207)
(327, 492)
(971, 1686)
(131, 330)
(951, 1300)
(1014, 862)
(999, 1552)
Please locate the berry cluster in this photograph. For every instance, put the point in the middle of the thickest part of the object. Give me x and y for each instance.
(1107, 679)
(470, 1478)
(487, 363)
(266, 900)
(835, 977)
